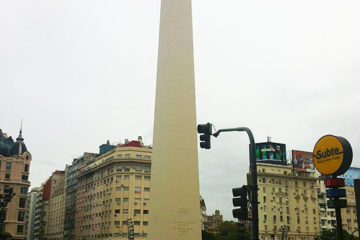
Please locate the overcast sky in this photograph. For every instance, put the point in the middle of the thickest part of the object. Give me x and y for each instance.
(82, 72)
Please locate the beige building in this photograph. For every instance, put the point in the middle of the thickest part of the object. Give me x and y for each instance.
(54, 229)
(327, 215)
(213, 222)
(14, 174)
(113, 194)
(50, 208)
(288, 207)
(349, 219)
(30, 216)
(203, 215)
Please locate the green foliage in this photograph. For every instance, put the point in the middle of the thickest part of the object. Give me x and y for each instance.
(331, 235)
(5, 235)
(207, 236)
(228, 230)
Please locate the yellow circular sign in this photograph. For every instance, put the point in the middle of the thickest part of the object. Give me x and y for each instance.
(328, 155)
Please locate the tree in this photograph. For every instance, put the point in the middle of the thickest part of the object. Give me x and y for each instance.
(5, 235)
(207, 236)
(230, 230)
(331, 235)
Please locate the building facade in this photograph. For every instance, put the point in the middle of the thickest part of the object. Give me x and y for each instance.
(113, 194)
(55, 215)
(288, 203)
(14, 174)
(213, 222)
(30, 216)
(349, 218)
(71, 192)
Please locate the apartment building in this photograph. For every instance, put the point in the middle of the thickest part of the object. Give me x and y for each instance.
(54, 228)
(72, 191)
(289, 207)
(113, 194)
(49, 210)
(30, 216)
(14, 174)
(349, 218)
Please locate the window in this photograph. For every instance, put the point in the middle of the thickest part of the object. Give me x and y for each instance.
(145, 223)
(147, 178)
(117, 223)
(118, 200)
(125, 211)
(21, 216)
(139, 156)
(127, 168)
(126, 199)
(117, 210)
(138, 177)
(126, 177)
(264, 199)
(7, 175)
(118, 189)
(116, 234)
(8, 166)
(26, 169)
(118, 178)
(126, 188)
(137, 211)
(146, 211)
(24, 177)
(119, 156)
(138, 168)
(20, 229)
(147, 169)
(23, 190)
(127, 155)
(22, 202)
(146, 189)
(118, 168)
(138, 190)
(147, 157)
(124, 223)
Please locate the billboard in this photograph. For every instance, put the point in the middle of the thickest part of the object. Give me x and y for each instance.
(303, 161)
(351, 174)
(270, 152)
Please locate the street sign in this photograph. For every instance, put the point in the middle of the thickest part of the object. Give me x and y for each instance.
(337, 203)
(336, 192)
(332, 155)
(334, 182)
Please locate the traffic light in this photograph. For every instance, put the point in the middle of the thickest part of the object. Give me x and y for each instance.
(240, 200)
(206, 130)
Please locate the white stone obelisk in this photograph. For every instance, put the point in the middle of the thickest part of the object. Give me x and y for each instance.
(175, 196)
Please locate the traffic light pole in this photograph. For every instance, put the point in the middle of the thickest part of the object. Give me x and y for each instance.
(253, 172)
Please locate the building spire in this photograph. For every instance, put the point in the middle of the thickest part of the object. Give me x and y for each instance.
(20, 137)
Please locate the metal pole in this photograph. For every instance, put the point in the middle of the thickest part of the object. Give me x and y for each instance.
(357, 199)
(339, 224)
(253, 172)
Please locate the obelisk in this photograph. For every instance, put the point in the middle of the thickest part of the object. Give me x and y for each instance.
(175, 196)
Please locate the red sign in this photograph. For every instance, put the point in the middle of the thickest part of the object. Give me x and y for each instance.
(334, 182)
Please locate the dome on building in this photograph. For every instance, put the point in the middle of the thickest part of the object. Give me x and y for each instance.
(19, 146)
(6, 144)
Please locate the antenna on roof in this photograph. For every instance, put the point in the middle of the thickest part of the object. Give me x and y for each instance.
(268, 139)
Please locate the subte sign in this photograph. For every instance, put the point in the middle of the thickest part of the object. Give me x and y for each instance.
(332, 155)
